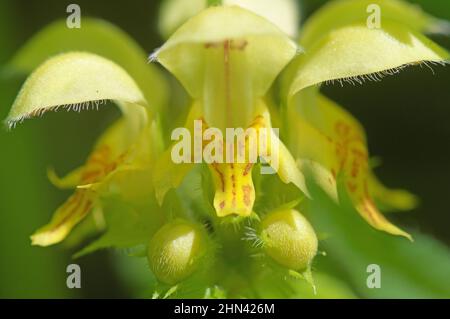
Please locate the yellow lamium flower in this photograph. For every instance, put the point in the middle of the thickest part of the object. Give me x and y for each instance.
(340, 13)
(99, 37)
(227, 70)
(283, 13)
(346, 50)
(255, 104)
(66, 81)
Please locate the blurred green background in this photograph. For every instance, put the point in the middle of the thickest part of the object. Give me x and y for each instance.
(406, 117)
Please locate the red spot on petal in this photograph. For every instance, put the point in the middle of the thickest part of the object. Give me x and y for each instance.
(247, 190)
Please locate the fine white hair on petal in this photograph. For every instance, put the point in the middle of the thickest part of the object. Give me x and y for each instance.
(154, 56)
(378, 76)
(77, 107)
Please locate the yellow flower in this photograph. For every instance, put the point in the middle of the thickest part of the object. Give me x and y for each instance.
(227, 71)
(242, 71)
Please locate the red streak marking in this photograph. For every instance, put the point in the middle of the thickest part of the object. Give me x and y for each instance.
(355, 169)
(246, 189)
(91, 176)
(78, 198)
(359, 154)
(342, 128)
(222, 181)
(369, 205)
(369, 208)
(333, 172)
(352, 187)
(239, 46)
(247, 169)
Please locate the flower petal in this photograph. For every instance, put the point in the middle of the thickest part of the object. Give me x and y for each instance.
(71, 80)
(98, 37)
(336, 14)
(169, 174)
(321, 175)
(65, 218)
(327, 134)
(71, 180)
(391, 199)
(286, 168)
(356, 53)
(77, 81)
(233, 180)
(215, 25)
(113, 158)
(282, 13)
(174, 13)
(235, 192)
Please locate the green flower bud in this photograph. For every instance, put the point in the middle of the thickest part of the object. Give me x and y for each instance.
(174, 251)
(289, 239)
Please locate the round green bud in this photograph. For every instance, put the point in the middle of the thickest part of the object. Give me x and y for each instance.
(289, 239)
(174, 251)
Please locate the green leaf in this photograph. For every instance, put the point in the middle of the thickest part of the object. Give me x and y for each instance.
(99, 37)
(78, 81)
(356, 53)
(328, 287)
(337, 14)
(416, 269)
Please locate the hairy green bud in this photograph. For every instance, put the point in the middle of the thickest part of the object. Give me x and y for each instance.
(174, 251)
(289, 239)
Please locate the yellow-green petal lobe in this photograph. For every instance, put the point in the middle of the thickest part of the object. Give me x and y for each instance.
(98, 37)
(76, 81)
(356, 53)
(282, 13)
(280, 157)
(70, 180)
(321, 175)
(336, 14)
(65, 218)
(392, 200)
(174, 13)
(167, 173)
(268, 48)
(115, 161)
(323, 132)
